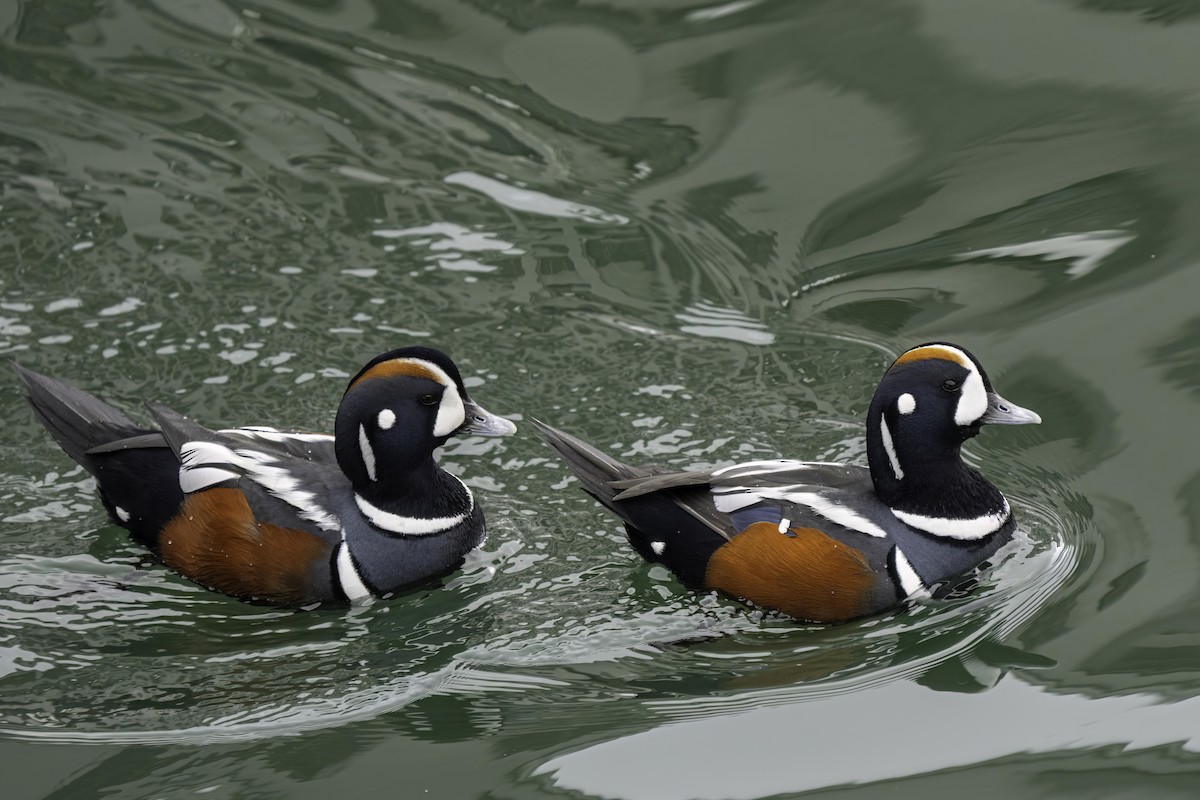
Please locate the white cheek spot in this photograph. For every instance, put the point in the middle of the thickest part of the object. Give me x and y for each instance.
(907, 404)
(368, 455)
(122, 514)
(890, 447)
(451, 413)
(387, 418)
(972, 401)
(658, 547)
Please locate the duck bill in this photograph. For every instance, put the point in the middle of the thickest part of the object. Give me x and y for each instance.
(482, 422)
(1001, 412)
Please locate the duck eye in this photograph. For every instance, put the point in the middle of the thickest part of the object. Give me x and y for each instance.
(429, 400)
(950, 385)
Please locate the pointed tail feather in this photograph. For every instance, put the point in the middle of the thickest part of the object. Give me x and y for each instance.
(595, 470)
(78, 421)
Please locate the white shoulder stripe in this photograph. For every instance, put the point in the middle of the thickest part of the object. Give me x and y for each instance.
(910, 582)
(348, 577)
(961, 529)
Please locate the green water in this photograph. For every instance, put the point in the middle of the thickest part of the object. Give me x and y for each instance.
(691, 233)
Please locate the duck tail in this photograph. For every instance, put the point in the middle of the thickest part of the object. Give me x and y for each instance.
(595, 470)
(78, 421)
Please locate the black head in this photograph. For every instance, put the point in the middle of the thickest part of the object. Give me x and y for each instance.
(398, 409)
(932, 399)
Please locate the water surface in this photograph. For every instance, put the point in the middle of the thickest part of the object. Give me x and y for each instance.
(691, 233)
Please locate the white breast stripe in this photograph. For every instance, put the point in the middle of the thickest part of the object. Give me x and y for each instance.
(368, 455)
(351, 582)
(201, 462)
(888, 446)
(910, 582)
(410, 526)
(962, 529)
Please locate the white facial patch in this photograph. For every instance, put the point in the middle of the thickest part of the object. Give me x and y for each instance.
(387, 418)
(906, 404)
(890, 447)
(368, 454)
(451, 413)
(972, 399)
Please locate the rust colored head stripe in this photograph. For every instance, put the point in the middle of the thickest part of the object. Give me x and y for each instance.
(399, 366)
(933, 351)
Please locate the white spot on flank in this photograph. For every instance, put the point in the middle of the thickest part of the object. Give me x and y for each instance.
(907, 404)
(962, 529)
(890, 447)
(368, 455)
(784, 524)
(387, 418)
(658, 547)
(122, 514)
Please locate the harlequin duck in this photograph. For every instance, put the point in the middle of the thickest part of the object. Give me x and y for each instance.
(828, 542)
(291, 519)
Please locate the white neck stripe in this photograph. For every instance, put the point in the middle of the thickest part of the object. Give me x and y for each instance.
(962, 529)
(368, 454)
(890, 447)
(411, 526)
